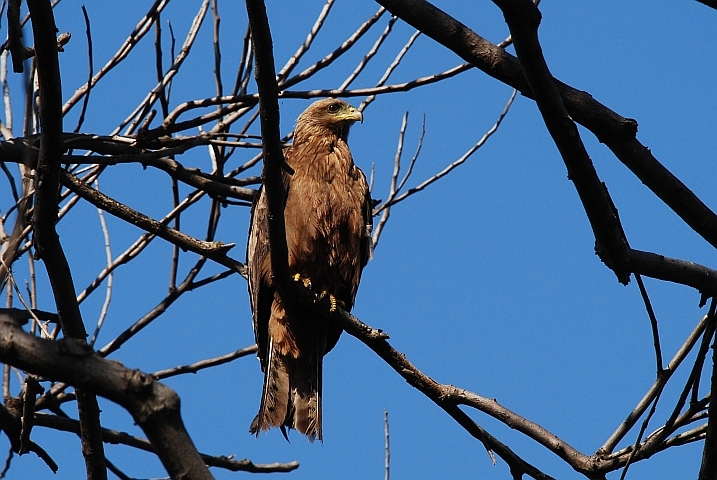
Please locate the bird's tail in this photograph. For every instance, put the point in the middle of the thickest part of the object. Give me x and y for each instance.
(291, 396)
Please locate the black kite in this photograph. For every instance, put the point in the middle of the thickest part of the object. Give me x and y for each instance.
(328, 234)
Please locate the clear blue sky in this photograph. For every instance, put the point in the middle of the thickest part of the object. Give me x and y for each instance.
(487, 280)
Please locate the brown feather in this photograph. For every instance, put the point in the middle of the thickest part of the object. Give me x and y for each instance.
(328, 227)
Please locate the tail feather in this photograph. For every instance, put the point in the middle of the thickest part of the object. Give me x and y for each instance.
(305, 385)
(275, 394)
(291, 396)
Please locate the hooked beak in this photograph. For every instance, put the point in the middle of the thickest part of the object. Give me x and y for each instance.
(354, 115)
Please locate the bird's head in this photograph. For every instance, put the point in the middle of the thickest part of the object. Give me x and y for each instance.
(330, 114)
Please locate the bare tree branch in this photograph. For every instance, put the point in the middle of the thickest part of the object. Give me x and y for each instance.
(376, 340)
(213, 250)
(712, 4)
(112, 436)
(523, 18)
(616, 132)
(331, 57)
(304, 47)
(462, 159)
(223, 123)
(19, 52)
(143, 109)
(708, 469)
(153, 406)
(674, 270)
(387, 448)
(47, 242)
(211, 362)
(655, 389)
(139, 31)
(90, 68)
(274, 162)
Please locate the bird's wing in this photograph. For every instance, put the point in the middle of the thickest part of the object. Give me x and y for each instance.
(261, 291)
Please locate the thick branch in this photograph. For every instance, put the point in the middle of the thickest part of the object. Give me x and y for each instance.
(376, 340)
(216, 186)
(10, 425)
(674, 270)
(153, 406)
(14, 44)
(274, 162)
(47, 242)
(523, 19)
(709, 3)
(616, 132)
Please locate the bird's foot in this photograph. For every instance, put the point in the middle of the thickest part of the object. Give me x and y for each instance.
(333, 301)
(306, 281)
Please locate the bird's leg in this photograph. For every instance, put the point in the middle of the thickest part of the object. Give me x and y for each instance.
(306, 281)
(333, 301)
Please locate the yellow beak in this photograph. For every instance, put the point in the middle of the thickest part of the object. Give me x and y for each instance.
(353, 115)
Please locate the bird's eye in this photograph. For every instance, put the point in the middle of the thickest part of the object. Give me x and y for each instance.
(333, 108)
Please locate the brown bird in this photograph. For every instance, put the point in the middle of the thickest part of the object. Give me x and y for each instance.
(328, 233)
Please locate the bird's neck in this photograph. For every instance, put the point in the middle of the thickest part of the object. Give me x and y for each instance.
(332, 135)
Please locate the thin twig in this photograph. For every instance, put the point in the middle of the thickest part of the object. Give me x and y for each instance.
(415, 156)
(394, 179)
(331, 57)
(139, 31)
(110, 276)
(653, 324)
(636, 445)
(387, 476)
(90, 68)
(304, 47)
(134, 119)
(153, 314)
(211, 362)
(456, 163)
(391, 68)
(656, 387)
(370, 54)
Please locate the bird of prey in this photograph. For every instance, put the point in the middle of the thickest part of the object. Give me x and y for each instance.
(328, 233)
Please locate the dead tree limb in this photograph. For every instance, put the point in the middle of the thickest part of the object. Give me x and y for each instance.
(617, 132)
(523, 18)
(47, 242)
(153, 406)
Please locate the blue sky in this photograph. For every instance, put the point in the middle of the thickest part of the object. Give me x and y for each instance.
(487, 280)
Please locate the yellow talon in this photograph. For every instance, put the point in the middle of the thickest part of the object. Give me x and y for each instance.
(305, 280)
(333, 301)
